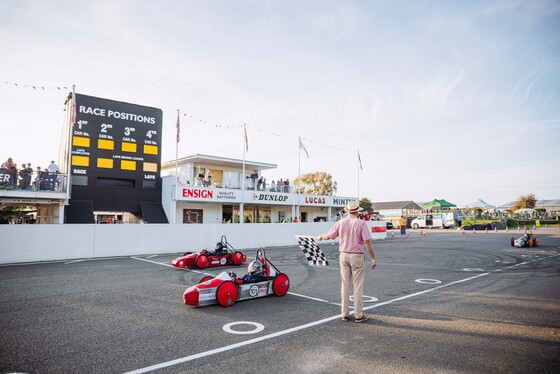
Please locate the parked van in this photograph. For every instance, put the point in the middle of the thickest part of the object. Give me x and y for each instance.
(443, 220)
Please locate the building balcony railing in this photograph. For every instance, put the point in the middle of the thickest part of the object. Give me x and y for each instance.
(43, 182)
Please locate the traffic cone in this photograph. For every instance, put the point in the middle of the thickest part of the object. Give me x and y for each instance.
(487, 230)
(518, 228)
(392, 234)
(462, 231)
(421, 233)
(507, 228)
(495, 229)
(473, 231)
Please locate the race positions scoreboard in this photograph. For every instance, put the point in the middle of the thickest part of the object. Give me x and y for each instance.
(115, 153)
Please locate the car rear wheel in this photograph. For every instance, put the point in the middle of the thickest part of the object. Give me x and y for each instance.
(237, 258)
(281, 284)
(202, 262)
(415, 226)
(530, 242)
(206, 278)
(226, 294)
(512, 242)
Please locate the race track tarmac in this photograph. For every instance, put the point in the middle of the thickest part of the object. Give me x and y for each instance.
(442, 303)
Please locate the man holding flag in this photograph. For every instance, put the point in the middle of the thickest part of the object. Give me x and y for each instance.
(354, 235)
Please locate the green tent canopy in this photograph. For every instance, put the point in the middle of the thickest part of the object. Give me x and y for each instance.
(438, 204)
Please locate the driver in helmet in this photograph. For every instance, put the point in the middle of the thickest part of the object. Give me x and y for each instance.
(255, 273)
(220, 249)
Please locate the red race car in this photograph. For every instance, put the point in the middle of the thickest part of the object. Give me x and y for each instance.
(223, 255)
(225, 289)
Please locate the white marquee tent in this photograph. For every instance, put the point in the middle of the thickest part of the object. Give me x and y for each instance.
(480, 204)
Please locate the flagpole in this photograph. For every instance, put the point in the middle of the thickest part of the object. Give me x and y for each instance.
(177, 149)
(358, 152)
(69, 147)
(174, 195)
(299, 178)
(242, 206)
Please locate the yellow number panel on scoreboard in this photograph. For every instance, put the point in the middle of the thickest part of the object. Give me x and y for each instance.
(128, 147)
(80, 160)
(150, 167)
(128, 165)
(105, 163)
(150, 149)
(106, 144)
(80, 141)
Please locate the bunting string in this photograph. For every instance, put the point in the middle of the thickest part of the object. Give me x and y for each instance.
(39, 87)
(279, 135)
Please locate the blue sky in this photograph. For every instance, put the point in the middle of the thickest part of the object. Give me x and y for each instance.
(444, 99)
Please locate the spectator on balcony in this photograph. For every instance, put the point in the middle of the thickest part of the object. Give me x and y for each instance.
(287, 185)
(12, 167)
(53, 168)
(25, 175)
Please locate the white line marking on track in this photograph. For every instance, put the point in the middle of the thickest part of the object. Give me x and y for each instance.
(305, 326)
(228, 328)
(314, 299)
(168, 265)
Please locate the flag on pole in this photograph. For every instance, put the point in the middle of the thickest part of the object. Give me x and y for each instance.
(178, 127)
(360, 160)
(301, 146)
(73, 115)
(245, 138)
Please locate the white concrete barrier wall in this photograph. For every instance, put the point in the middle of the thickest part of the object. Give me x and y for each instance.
(29, 243)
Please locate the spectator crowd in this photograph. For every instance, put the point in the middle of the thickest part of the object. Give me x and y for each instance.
(11, 177)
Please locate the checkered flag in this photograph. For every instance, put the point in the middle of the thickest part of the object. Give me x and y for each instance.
(311, 251)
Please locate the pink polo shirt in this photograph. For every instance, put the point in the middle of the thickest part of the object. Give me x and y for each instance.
(352, 231)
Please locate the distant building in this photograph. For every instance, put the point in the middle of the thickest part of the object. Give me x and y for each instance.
(392, 211)
(233, 194)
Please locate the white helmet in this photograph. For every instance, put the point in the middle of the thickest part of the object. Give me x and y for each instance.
(254, 267)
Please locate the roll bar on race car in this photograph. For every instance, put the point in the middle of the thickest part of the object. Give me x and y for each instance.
(268, 267)
(226, 244)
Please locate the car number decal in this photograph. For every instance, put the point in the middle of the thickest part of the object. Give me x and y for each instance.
(253, 290)
(223, 261)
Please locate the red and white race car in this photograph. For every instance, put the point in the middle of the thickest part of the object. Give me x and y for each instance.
(527, 240)
(225, 289)
(223, 255)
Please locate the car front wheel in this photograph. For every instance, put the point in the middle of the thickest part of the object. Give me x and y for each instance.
(226, 294)
(202, 262)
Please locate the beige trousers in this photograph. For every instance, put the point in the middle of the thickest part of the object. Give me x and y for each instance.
(352, 269)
